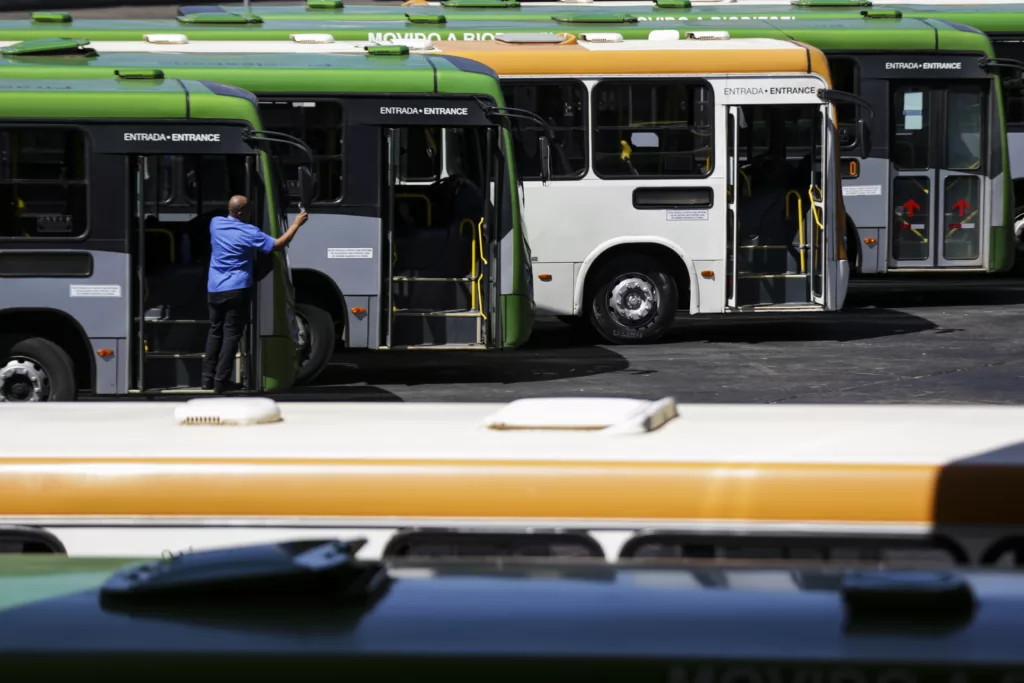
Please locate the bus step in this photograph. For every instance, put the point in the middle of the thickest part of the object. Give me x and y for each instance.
(176, 336)
(175, 390)
(171, 321)
(409, 313)
(760, 290)
(165, 355)
(781, 308)
(770, 259)
(403, 278)
(441, 347)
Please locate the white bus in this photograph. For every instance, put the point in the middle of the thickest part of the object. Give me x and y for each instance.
(590, 478)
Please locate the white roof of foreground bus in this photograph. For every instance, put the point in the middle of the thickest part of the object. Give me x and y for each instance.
(899, 466)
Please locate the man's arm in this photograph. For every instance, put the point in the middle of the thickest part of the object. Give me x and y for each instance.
(282, 241)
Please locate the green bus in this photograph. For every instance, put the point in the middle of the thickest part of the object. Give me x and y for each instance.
(90, 300)
(361, 273)
(899, 222)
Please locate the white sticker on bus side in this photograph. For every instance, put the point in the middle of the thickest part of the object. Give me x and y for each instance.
(686, 215)
(862, 190)
(105, 291)
(350, 253)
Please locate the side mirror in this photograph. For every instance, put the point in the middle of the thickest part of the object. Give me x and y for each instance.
(545, 159)
(307, 188)
(863, 138)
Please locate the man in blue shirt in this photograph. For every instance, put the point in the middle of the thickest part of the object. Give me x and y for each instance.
(234, 244)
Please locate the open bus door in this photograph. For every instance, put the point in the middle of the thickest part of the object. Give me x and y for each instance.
(440, 269)
(170, 264)
(777, 239)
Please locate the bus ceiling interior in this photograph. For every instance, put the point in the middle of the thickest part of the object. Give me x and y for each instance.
(441, 226)
(778, 161)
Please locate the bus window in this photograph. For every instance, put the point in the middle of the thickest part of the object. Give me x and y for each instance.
(563, 106)
(419, 154)
(319, 124)
(964, 115)
(652, 129)
(844, 78)
(1013, 84)
(42, 183)
(911, 149)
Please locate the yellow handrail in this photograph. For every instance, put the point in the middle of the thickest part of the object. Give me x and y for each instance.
(800, 219)
(478, 294)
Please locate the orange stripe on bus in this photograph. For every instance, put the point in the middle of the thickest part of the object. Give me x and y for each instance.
(507, 490)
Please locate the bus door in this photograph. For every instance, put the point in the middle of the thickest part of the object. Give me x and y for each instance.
(439, 282)
(170, 265)
(776, 244)
(937, 152)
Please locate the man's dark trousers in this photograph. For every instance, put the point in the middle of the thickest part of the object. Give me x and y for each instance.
(229, 314)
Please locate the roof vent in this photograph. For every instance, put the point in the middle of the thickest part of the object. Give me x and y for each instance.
(219, 18)
(607, 415)
(707, 35)
(325, 4)
(48, 46)
(601, 37)
(576, 2)
(594, 18)
(674, 4)
(228, 411)
(312, 38)
(426, 18)
(530, 38)
(166, 38)
(387, 50)
(663, 34)
(51, 18)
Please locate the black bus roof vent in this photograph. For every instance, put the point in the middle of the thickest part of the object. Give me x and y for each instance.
(907, 596)
(320, 570)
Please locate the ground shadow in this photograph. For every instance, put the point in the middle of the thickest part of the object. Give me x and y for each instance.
(929, 291)
(554, 353)
(759, 328)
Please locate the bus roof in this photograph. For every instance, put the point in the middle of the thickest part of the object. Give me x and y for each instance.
(788, 465)
(746, 55)
(998, 16)
(267, 73)
(836, 32)
(509, 620)
(115, 98)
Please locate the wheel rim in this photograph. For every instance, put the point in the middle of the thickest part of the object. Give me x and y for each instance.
(23, 380)
(302, 338)
(633, 300)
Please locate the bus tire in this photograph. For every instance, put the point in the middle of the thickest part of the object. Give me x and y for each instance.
(634, 300)
(36, 369)
(316, 352)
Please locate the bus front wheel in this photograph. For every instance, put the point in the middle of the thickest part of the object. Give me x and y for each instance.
(34, 370)
(316, 341)
(635, 300)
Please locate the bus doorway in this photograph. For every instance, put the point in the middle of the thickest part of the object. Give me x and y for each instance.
(777, 244)
(439, 284)
(938, 176)
(170, 257)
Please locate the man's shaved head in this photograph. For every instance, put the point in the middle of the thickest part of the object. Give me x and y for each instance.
(237, 205)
